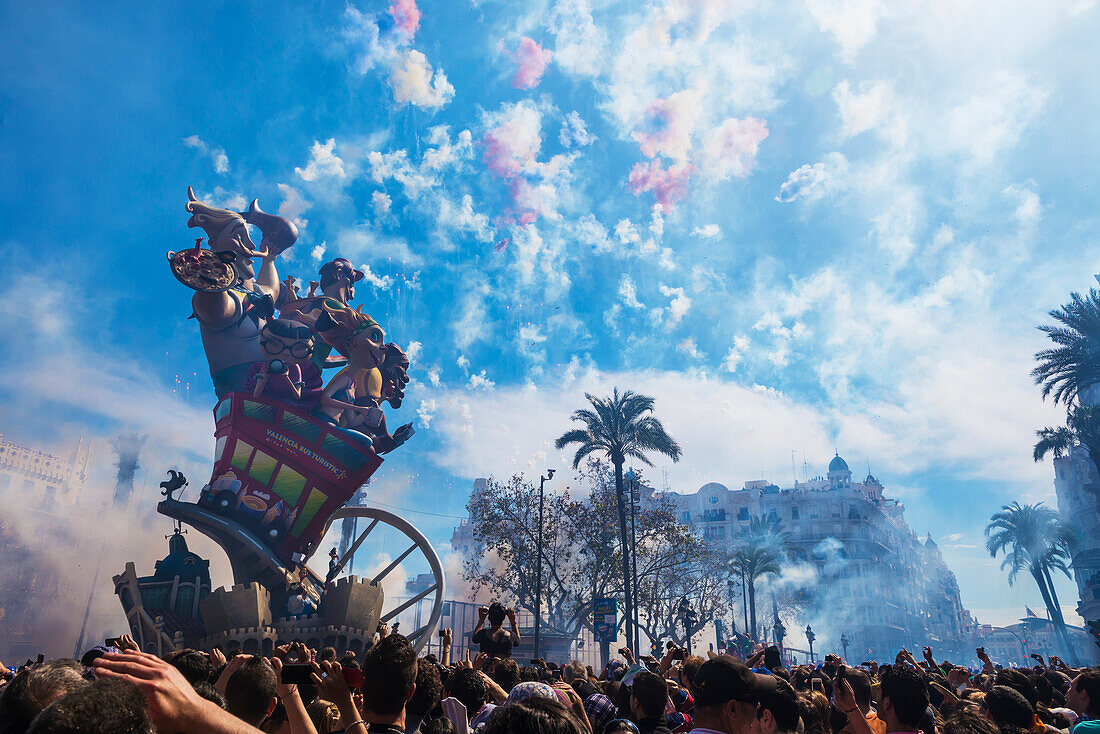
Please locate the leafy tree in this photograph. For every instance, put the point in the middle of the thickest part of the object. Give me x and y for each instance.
(620, 427)
(1034, 538)
(578, 552)
(1070, 368)
(754, 561)
(1082, 429)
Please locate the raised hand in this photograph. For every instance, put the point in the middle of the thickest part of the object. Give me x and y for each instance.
(173, 704)
(126, 643)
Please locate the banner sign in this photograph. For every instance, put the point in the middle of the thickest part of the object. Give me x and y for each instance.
(605, 614)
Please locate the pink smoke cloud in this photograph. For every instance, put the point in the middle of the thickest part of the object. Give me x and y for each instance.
(406, 15)
(511, 147)
(531, 61)
(668, 126)
(668, 185)
(731, 147)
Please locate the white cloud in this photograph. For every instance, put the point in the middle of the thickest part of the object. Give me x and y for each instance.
(574, 133)
(381, 283)
(412, 351)
(426, 412)
(874, 106)
(690, 348)
(628, 293)
(323, 162)
(317, 252)
(218, 157)
(363, 243)
(679, 305)
(481, 382)
(1029, 208)
(462, 217)
(433, 376)
(579, 40)
(993, 119)
(708, 231)
(735, 354)
(851, 22)
(472, 324)
(380, 203)
(814, 182)
(293, 205)
(414, 82)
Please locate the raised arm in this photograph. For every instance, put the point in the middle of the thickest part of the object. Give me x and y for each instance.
(512, 622)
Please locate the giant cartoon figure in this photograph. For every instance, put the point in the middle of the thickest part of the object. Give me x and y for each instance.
(232, 303)
(288, 454)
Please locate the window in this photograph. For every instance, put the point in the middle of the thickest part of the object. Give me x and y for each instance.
(713, 500)
(685, 516)
(794, 513)
(743, 513)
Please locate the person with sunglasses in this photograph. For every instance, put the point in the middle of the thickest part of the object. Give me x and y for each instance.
(287, 345)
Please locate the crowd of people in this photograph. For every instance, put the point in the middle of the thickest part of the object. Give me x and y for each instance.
(117, 689)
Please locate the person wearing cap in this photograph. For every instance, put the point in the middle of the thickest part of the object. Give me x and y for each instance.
(778, 710)
(726, 696)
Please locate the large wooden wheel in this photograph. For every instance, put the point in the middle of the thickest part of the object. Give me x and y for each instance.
(419, 637)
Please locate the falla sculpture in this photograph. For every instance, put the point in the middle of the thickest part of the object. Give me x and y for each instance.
(292, 442)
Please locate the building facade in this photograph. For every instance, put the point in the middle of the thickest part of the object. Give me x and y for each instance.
(874, 580)
(35, 477)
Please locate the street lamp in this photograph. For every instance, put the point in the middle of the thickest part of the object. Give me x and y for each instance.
(810, 637)
(844, 644)
(538, 563)
(635, 496)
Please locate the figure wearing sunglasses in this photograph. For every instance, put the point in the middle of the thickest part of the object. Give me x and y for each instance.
(287, 345)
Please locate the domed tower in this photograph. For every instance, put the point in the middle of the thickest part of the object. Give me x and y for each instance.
(839, 473)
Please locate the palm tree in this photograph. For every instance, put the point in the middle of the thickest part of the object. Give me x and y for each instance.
(768, 532)
(1035, 538)
(1069, 369)
(620, 426)
(753, 562)
(1082, 429)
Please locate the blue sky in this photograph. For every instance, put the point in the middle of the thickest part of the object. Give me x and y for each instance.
(798, 226)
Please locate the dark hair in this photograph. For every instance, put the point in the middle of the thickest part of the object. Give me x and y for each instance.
(194, 665)
(288, 329)
(691, 666)
(1007, 706)
(1018, 680)
(1044, 691)
(783, 703)
(107, 706)
(619, 695)
(1089, 682)
(250, 690)
(349, 661)
(861, 686)
(584, 688)
(506, 673)
(527, 673)
(651, 691)
(907, 691)
(327, 653)
(442, 725)
(390, 670)
(210, 693)
(968, 722)
(809, 713)
(469, 688)
(33, 689)
(533, 716)
(497, 614)
(429, 689)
